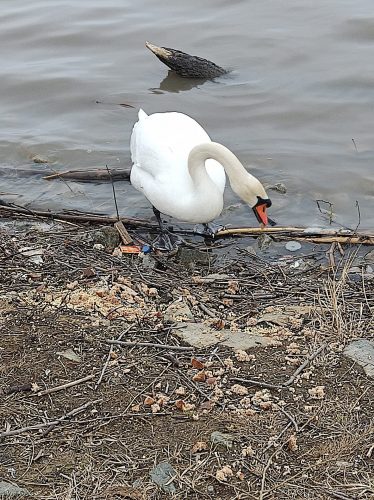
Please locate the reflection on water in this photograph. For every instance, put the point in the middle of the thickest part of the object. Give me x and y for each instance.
(302, 89)
(175, 83)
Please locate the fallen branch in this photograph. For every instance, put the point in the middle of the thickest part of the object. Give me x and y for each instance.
(64, 386)
(71, 413)
(316, 235)
(105, 366)
(6, 210)
(150, 344)
(99, 174)
(304, 365)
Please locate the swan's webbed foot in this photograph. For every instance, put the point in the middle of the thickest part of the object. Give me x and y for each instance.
(209, 229)
(167, 242)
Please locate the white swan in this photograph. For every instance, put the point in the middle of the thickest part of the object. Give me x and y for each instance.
(182, 172)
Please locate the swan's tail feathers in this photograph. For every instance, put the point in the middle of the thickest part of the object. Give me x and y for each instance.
(142, 114)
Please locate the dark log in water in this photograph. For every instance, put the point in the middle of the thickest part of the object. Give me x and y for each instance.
(99, 174)
(186, 65)
(90, 175)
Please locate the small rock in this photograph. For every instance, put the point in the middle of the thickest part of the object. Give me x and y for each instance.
(88, 272)
(251, 250)
(190, 257)
(211, 278)
(222, 439)
(106, 236)
(39, 159)
(293, 246)
(362, 352)
(178, 311)
(148, 262)
(8, 490)
(70, 355)
(369, 270)
(200, 335)
(34, 254)
(354, 270)
(281, 188)
(283, 316)
(369, 257)
(264, 242)
(98, 246)
(162, 475)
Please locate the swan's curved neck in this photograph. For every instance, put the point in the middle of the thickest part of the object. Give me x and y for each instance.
(242, 182)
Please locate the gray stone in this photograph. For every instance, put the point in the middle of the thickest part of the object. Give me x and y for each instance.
(279, 187)
(70, 355)
(222, 439)
(178, 311)
(200, 335)
(354, 270)
(148, 262)
(283, 316)
(40, 159)
(190, 257)
(293, 246)
(362, 352)
(163, 474)
(107, 236)
(211, 278)
(8, 490)
(250, 250)
(369, 257)
(264, 242)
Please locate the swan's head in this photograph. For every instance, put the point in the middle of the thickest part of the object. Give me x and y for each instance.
(260, 208)
(250, 190)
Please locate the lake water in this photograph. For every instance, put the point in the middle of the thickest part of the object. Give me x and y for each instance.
(298, 107)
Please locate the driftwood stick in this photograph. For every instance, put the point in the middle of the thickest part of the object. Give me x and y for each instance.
(64, 386)
(99, 174)
(94, 219)
(53, 423)
(258, 383)
(150, 344)
(316, 235)
(126, 238)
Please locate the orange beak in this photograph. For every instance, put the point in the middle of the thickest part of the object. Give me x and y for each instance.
(261, 215)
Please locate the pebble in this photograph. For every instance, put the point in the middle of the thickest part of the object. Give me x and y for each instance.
(293, 246)
(362, 352)
(281, 188)
(222, 438)
(162, 474)
(8, 490)
(264, 241)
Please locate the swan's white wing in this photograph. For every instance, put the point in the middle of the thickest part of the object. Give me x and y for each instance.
(161, 143)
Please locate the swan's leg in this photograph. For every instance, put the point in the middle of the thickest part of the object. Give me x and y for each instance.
(165, 241)
(208, 229)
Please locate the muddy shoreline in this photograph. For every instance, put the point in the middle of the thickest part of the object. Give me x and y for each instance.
(219, 372)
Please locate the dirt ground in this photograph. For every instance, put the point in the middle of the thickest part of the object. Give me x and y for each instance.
(299, 425)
